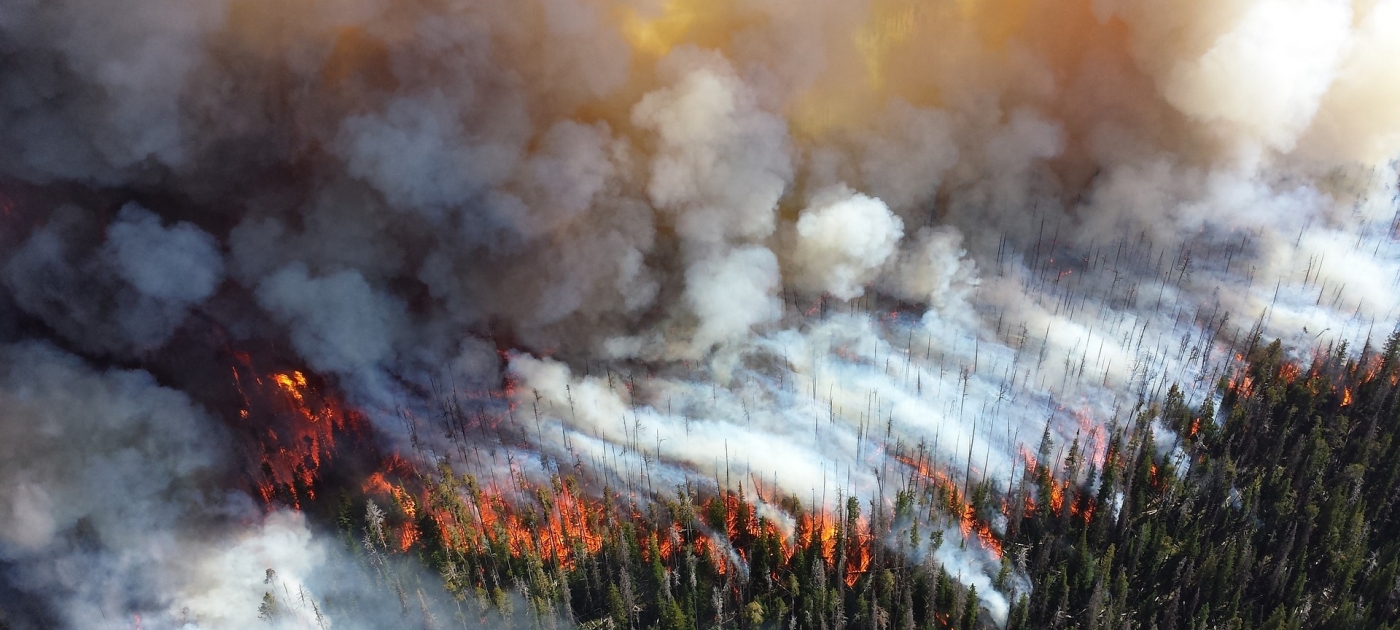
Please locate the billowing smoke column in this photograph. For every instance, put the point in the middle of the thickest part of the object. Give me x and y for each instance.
(737, 243)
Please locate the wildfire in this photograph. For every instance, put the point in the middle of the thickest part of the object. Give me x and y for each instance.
(1243, 386)
(1095, 445)
(668, 543)
(408, 536)
(731, 516)
(292, 383)
(1367, 368)
(559, 527)
(814, 530)
(858, 560)
(989, 540)
(1031, 463)
(968, 523)
(295, 425)
(1346, 397)
(376, 484)
(557, 522)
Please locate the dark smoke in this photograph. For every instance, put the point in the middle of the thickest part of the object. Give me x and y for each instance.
(798, 228)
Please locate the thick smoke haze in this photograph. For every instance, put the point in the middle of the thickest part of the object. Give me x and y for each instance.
(739, 243)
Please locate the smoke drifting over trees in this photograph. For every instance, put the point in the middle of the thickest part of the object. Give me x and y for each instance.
(253, 252)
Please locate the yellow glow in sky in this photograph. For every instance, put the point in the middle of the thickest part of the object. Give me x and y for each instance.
(656, 35)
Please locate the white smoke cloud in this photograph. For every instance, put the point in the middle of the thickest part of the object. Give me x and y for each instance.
(112, 512)
(843, 238)
(572, 168)
(721, 163)
(732, 293)
(903, 164)
(225, 588)
(106, 484)
(935, 270)
(1266, 75)
(1063, 215)
(1356, 118)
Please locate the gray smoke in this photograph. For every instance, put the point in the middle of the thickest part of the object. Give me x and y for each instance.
(807, 234)
(126, 293)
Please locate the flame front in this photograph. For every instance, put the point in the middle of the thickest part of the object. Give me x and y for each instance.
(296, 426)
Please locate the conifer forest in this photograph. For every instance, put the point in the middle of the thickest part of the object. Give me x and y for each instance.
(699, 314)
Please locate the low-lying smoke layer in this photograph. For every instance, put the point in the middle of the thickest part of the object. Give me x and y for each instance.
(688, 242)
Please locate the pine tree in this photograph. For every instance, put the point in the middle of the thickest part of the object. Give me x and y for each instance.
(270, 610)
(969, 617)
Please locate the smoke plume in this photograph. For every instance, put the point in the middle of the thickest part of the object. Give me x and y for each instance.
(677, 243)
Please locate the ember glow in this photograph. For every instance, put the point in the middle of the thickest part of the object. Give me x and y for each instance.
(295, 428)
(428, 310)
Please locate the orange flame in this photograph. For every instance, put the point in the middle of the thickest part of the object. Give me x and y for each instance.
(989, 540)
(968, 523)
(568, 526)
(376, 484)
(731, 516)
(408, 535)
(812, 530)
(295, 425)
(1057, 497)
(858, 560)
(1246, 387)
(705, 547)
